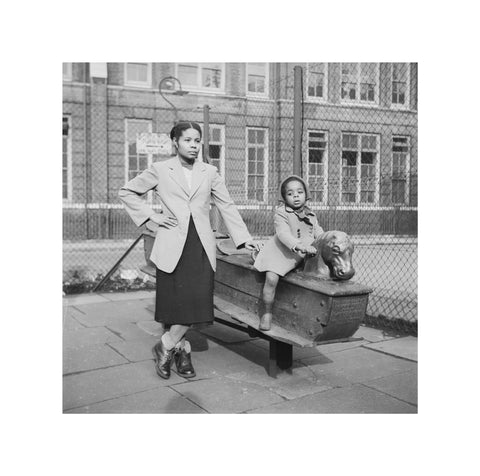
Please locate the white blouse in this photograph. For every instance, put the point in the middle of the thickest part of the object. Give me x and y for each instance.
(188, 176)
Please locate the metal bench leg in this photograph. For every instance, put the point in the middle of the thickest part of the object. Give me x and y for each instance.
(272, 359)
(280, 357)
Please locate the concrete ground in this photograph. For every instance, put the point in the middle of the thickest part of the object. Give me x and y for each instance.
(108, 367)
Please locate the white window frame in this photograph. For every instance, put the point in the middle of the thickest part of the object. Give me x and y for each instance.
(138, 84)
(324, 98)
(253, 94)
(69, 160)
(198, 87)
(407, 91)
(221, 170)
(149, 156)
(358, 101)
(407, 171)
(265, 164)
(325, 167)
(358, 191)
(67, 76)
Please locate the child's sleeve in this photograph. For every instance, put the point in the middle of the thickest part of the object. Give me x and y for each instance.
(317, 229)
(282, 230)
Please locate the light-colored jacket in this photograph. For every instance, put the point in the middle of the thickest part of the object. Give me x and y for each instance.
(277, 255)
(177, 200)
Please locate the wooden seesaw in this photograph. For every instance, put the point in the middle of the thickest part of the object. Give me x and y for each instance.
(308, 310)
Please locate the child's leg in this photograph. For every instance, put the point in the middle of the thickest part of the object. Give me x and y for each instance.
(268, 295)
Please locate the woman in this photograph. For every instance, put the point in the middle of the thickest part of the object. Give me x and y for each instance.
(184, 250)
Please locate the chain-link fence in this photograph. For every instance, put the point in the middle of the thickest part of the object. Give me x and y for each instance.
(355, 133)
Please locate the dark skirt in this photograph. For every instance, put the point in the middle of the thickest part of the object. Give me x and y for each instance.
(185, 296)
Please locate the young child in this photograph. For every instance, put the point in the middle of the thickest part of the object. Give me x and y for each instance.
(296, 228)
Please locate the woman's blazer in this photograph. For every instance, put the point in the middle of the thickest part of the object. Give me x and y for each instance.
(168, 181)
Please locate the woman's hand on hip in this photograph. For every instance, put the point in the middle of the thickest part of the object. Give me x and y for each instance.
(164, 220)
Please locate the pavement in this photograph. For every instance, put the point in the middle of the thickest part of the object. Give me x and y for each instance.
(108, 367)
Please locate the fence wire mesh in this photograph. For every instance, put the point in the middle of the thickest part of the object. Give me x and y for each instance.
(358, 153)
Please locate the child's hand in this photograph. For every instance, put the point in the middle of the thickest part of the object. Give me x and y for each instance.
(311, 250)
(300, 249)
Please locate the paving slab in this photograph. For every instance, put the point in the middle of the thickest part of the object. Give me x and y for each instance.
(352, 399)
(71, 324)
(298, 382)
(99, 385)
(375, 335)
(128, 296)
(89, 358)
(84, 299)
(88, 336)
(127, 330)
(222, 360)
(109, 312)
(135, 350)
(404, 347)
(151, 327)
(158, 400)
(359, 364)
(221, 395)
(402, 386)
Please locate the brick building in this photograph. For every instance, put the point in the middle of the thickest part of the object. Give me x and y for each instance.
(359, 138)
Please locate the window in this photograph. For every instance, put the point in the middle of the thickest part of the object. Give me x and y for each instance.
(360, 172)
(66, 159)
(317, 163)
(400, 170)
(202, 76)
(360, 82)
(317, 80)
(216, 147)
(67, 71)
(400, 84)
(257, 79)
(257, 153)
(135, 162)
(138, 74)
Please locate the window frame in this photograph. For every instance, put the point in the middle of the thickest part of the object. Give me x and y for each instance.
(358, 101)
(325, 167)
(265, 165)
(126, 156)
(358, 189)
(198, 87)
(407, 91)
(137, 84)
(221, 169)
(407, 171)
(324, 98)
(253, 94)
(69, 160)
(68, 75)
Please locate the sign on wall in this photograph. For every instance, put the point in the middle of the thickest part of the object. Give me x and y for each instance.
(154, 143)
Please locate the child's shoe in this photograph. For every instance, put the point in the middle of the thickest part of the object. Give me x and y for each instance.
(266, 322)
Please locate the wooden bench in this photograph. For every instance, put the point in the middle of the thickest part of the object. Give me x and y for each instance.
(308, 311)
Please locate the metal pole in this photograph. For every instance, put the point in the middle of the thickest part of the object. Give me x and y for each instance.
(206, 133)
(116, 265)
(297, 120)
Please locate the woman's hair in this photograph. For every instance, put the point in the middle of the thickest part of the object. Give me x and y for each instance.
(181, 126)
(283, 188)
